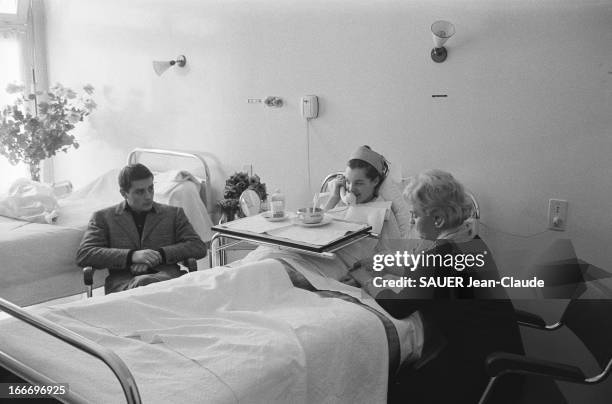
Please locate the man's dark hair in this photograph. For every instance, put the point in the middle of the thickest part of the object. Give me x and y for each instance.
(131, 173)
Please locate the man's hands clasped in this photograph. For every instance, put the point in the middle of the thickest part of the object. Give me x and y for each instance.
(143, 260)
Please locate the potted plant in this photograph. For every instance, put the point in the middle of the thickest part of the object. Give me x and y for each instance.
(235, 185)
(37, 125)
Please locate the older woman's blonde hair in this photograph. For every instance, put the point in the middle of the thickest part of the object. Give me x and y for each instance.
(437, 192)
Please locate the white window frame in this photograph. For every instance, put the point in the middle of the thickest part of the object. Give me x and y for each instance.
(33, 53)
(18, 18)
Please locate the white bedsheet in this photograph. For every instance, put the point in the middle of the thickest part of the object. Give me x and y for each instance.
(220, 336)
(324, 274)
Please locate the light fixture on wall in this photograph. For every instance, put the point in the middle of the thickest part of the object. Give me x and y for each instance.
(161, 67)
(441, 30)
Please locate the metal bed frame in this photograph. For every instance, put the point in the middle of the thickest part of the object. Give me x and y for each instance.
(135, 153)
(119, 368)
(133, 157)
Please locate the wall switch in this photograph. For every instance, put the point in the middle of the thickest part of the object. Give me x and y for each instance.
(557, 214)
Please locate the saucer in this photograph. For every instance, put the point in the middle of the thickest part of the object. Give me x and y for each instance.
(268, 216)
(326, 220)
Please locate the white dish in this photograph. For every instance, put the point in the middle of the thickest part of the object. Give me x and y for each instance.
(268, 216)
(326, 220)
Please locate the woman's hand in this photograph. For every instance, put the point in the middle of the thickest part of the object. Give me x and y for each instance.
(338, 183)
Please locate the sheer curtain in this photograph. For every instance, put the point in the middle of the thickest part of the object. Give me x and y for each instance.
(10, 72)
(13, 51)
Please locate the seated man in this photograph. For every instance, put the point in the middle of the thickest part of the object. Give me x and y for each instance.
(140, 241)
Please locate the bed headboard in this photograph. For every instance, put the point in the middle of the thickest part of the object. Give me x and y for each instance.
(198, 166)
(135, 155)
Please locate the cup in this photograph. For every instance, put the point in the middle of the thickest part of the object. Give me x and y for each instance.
(310, 215)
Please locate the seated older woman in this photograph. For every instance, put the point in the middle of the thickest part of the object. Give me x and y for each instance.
(462, 323)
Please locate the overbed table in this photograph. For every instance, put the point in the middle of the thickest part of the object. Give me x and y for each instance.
(323, 240)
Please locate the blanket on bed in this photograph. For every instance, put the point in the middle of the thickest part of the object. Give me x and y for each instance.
(222, 336)
(31, 201)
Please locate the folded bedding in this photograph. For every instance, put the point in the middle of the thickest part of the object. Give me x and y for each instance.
(243, 334)
(30, 201)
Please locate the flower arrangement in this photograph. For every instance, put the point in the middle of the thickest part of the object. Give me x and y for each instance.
(32, 130)
(235, 185)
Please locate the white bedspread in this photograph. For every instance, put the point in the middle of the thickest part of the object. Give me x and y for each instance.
(220, 336)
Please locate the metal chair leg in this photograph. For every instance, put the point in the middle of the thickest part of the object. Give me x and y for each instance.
(217, 255)
(487, 391)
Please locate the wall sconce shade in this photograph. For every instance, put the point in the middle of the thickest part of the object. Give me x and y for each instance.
(160, 67)
(442, 31)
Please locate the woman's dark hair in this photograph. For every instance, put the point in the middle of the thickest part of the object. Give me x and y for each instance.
(370, 171)
(131, 173)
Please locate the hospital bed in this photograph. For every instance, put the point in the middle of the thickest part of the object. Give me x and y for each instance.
(38, 260)
(275, 330)
(263, 332)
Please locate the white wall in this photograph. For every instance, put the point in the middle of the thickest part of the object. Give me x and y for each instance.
(527, 117)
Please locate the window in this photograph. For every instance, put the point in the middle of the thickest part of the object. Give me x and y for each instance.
(8, 6)
(13, 11)
(12, 39)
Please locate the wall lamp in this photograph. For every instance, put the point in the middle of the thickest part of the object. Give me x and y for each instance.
(441, 30)
(161, 67)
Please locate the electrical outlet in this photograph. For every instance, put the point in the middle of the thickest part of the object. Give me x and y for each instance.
(557, 214)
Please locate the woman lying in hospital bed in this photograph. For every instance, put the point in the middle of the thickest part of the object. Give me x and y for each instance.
(357, 196)
(364, 182)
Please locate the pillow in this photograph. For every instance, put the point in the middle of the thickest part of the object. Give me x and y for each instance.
(389, 191)
(168, 180)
